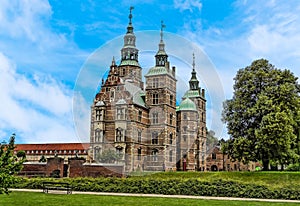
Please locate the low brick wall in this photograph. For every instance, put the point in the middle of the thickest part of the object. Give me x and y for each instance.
(78, 168)
(74, 168)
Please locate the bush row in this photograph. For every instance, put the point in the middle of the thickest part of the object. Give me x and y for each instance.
(222, 188)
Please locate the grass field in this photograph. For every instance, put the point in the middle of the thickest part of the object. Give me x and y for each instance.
(41, 199)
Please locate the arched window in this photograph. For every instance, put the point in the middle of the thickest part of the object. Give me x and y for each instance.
(119, 135)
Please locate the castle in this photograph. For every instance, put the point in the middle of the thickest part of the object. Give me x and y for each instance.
(141, 123)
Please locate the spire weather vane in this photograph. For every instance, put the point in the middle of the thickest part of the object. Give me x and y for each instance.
(161, 29)
(130, 14)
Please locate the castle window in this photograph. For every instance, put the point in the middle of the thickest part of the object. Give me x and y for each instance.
(112, 94)
(155, 118)
(184, 128)
(155, 83)
(97, 152)
(139, 153)
(171, 100)
(170, 156)
(184, 138)
(155, 98)
(184, 116)
(139, 136)
(98, 135)
(171, 138)
(119, 134)
(154, 138)
(119, 151)
(154, 155)
(120, 113)
(171, 119)
(140, 116)
(213, 156)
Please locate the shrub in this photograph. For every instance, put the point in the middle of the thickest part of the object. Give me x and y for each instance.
(293, 167)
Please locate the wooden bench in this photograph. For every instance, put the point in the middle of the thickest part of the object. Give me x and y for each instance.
(57, 186)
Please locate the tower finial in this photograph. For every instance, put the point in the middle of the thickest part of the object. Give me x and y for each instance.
(193, 61)
(161, 29)
(130, 14)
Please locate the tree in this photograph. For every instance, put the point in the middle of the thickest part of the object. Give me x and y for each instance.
(10, 165)
(263, 116)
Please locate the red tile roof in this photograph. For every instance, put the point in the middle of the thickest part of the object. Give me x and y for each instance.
(53, 146)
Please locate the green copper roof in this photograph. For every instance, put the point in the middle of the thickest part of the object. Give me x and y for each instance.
(129, 62)
(187, 104)
(192, 93)
(158, 71)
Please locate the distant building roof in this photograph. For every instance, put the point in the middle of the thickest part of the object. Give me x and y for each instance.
(53, 146)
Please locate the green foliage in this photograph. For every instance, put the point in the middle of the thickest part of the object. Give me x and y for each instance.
(293, 167)
(21, 154)
(273, 185)
(263, 116)
(108, 156)
(9, 165)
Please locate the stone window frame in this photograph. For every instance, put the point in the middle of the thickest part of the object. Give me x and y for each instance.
(155, 118)
(155, 98)
(154, 155)
(154, 138)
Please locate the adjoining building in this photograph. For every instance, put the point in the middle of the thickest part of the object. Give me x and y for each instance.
(40, 152)
(141, 122)
(216, 160)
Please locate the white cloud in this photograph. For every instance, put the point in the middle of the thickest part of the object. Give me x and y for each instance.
(190, 5)
(37, 109)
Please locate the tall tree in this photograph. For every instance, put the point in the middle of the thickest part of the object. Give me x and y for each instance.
(263, 116)
(10, 164)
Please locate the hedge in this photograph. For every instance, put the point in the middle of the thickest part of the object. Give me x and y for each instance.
(193, 186)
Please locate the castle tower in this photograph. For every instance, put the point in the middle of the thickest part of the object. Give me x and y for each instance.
(197, 141)
(129, 68)
(161, 101)
(119, 116)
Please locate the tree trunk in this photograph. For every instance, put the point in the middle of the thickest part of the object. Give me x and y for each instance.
(265, 164)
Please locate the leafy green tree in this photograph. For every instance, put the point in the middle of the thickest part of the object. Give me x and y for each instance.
(108, 156)
(10, 165)
(263, 116)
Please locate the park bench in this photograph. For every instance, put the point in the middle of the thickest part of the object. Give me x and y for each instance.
(57, 186)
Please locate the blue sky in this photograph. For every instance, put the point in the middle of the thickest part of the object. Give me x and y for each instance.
(44, 45)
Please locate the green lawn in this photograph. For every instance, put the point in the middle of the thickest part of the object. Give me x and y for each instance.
(41, 199)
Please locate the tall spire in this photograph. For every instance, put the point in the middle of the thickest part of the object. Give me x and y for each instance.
(130, 27)
(129, 53)
(161, 56)
(194, 83)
